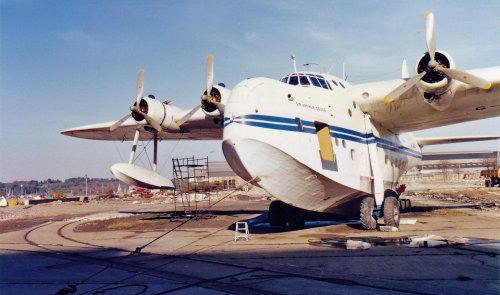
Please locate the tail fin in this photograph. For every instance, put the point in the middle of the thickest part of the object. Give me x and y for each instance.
(405, 74)
(443, 140)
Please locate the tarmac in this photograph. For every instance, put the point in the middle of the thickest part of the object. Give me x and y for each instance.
(202, 257)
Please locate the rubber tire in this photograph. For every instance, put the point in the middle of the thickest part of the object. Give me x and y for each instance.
(391, 211)
(295, 217)
(487, 183)
(366, 213)
(276, 214)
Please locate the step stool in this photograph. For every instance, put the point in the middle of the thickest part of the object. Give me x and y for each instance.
(241, 231)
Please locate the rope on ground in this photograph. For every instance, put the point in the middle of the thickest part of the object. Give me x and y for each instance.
(139, 249)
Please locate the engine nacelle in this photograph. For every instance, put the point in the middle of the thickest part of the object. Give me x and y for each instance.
(220, 94)
(435, 85)
(160, 112)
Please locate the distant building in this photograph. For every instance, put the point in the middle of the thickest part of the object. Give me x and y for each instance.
(221, 172)
(464, 160)
(452, 166)
(218, 173)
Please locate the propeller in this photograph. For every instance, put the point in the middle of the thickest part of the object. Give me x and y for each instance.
(403, 87)
(209, 79)
(119, 123)
(187, 116)
(433, 65)
(209, 73)
(136, 107)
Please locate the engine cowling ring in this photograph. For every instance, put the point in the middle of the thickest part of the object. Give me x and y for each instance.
(435, 81)
(220, 94)
(154, 108)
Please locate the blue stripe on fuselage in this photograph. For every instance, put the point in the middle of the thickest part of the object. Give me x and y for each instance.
(289, 124)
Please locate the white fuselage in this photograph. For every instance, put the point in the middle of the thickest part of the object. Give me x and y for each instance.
(274, 134)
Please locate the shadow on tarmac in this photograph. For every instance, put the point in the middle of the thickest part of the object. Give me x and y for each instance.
(450, 270)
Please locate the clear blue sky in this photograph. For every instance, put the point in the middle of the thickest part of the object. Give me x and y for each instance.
(71, 63)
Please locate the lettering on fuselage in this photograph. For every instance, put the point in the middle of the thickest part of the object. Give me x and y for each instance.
(311, 107)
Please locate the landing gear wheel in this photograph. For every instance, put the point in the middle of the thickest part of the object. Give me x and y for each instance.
(391, 211)
(487, 183)
(366, 213)
(276, 214)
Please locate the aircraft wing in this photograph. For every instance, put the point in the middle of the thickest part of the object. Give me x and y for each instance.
(425, 141)
(411, 112)
(201, 129)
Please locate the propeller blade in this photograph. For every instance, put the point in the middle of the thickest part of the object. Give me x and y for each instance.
(119, 122)
(187, 116)
(403, 87)
(150, 120)
(466, 77)
(140, 86)
(220, 106)
(209, 73)
(430, 36)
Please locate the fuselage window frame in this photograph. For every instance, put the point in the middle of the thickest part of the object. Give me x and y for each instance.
(293, 80)
(304, 81)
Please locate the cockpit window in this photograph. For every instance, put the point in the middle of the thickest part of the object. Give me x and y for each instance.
(307, 79)
(304, 80)
(293, 80)
(341, 84)
(323, 83)
(315, 81)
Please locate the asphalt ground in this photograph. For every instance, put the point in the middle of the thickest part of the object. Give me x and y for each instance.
(94, 254)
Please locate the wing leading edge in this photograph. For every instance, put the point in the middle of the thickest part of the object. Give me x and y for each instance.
(207, 129)
(424, 141)
(411, 112)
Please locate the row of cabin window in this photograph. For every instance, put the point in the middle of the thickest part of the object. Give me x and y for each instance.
(317, 81)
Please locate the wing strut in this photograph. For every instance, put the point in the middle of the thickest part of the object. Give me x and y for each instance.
(155, 151)
(377, 177)
(134, 146)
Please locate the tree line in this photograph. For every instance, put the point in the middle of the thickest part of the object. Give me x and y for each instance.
(74, 185)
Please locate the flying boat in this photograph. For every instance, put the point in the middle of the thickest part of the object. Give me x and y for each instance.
(313, 140)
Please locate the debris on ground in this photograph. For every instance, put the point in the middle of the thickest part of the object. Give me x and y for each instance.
(480, 197)
(429, 241)
(425, 241)
(407, 221)
(388, 228)
(357, 245)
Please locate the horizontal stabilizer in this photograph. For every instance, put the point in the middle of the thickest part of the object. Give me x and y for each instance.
(443, 140)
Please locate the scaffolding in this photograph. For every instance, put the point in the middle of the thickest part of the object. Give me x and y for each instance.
(192, 186)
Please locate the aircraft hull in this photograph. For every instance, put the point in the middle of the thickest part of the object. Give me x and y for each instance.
(283, 176)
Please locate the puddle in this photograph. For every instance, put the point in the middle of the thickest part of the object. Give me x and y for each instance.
(374, 241)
